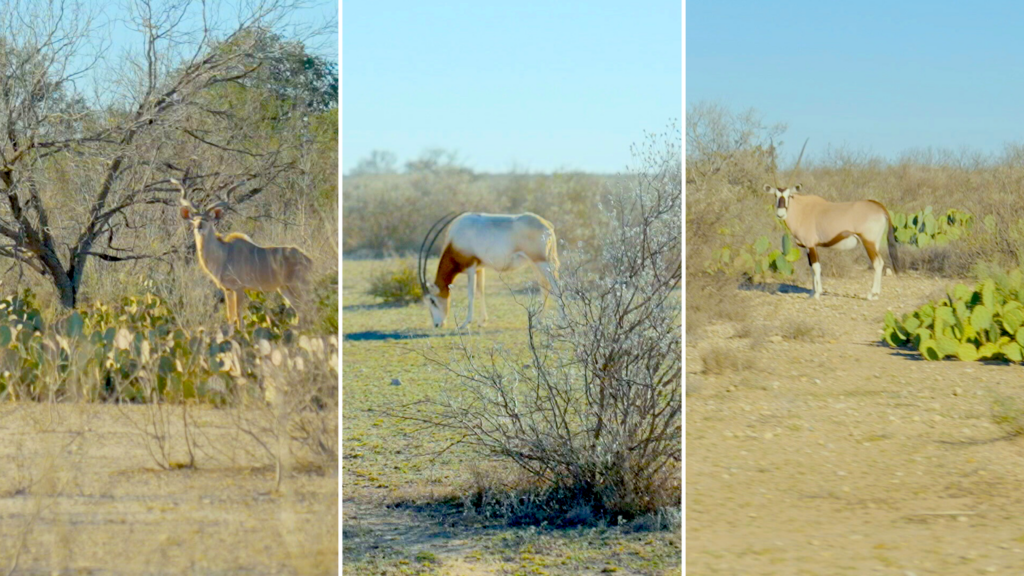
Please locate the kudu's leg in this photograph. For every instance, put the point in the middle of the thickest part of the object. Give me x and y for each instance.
(480, 288)
(294, 299)
(812, 258)
(471, 278)
(240, 301)
(878, 264)
(229, 296)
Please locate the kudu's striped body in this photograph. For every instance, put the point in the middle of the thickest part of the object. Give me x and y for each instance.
(235, 263)
(814, 222)
(476, 241)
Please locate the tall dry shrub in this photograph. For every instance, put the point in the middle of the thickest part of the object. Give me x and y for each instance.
(729, 157)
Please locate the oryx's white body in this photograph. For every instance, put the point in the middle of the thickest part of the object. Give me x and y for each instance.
(235, 263)
(814, 221)
(501, 242)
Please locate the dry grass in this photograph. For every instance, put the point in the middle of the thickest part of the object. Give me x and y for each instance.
(711, 299)
(803, 330)
(78, 489)
(1007, 412)
(723, 358)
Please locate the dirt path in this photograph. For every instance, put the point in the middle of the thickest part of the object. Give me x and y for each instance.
(837, 455)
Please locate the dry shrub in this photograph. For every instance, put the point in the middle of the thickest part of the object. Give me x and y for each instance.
(711, 299)
(397, 284)
(722, 358)
(804, 330)
(1008, 413)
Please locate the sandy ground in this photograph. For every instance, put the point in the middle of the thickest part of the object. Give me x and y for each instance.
(81, 494)
(842, 456)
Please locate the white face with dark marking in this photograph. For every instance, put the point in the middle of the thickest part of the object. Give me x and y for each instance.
(438, 307)
(782, 198)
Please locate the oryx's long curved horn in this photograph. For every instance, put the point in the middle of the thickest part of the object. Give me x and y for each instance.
(421, 260)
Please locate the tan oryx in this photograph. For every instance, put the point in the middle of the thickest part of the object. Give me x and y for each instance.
(814, 222)
(236, 263)
(476, 241)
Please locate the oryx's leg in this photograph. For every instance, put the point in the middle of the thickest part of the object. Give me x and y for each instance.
(480, 288)
(471, 278)
(812, 259)
(878, 264)
(550, 279)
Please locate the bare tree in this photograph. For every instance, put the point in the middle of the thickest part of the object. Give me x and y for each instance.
(79, 176)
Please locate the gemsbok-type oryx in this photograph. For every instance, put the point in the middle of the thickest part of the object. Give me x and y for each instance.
(815, 222)
(476, 241)
(236, 263)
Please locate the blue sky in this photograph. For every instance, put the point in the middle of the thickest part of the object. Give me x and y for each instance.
(535, 84)
(875, 77)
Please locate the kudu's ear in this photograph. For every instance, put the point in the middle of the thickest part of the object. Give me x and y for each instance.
(186, 212)
(217, 212)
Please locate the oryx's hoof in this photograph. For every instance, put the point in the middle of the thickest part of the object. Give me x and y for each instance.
(872, 296)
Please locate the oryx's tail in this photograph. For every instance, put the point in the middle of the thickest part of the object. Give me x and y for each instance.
(894, 256)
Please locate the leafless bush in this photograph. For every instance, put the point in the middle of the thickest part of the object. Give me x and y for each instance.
(295, 423)
(592, 407)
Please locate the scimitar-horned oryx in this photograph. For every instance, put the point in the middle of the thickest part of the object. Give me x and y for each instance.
(814, 222)
(476, 241)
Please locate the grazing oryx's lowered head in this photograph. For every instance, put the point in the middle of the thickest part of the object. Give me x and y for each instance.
(437, 305)
(782, 198)
(433, 296)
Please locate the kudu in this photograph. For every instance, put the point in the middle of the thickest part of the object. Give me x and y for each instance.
(476, 241)
(236, 263)
(815, 222)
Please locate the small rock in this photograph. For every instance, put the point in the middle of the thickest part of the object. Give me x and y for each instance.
(396, 382)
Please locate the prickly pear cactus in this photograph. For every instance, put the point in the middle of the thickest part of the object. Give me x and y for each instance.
(759, 259)
(986, 323)
(925, 229)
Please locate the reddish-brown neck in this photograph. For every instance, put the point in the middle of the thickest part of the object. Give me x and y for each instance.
(452, 263)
